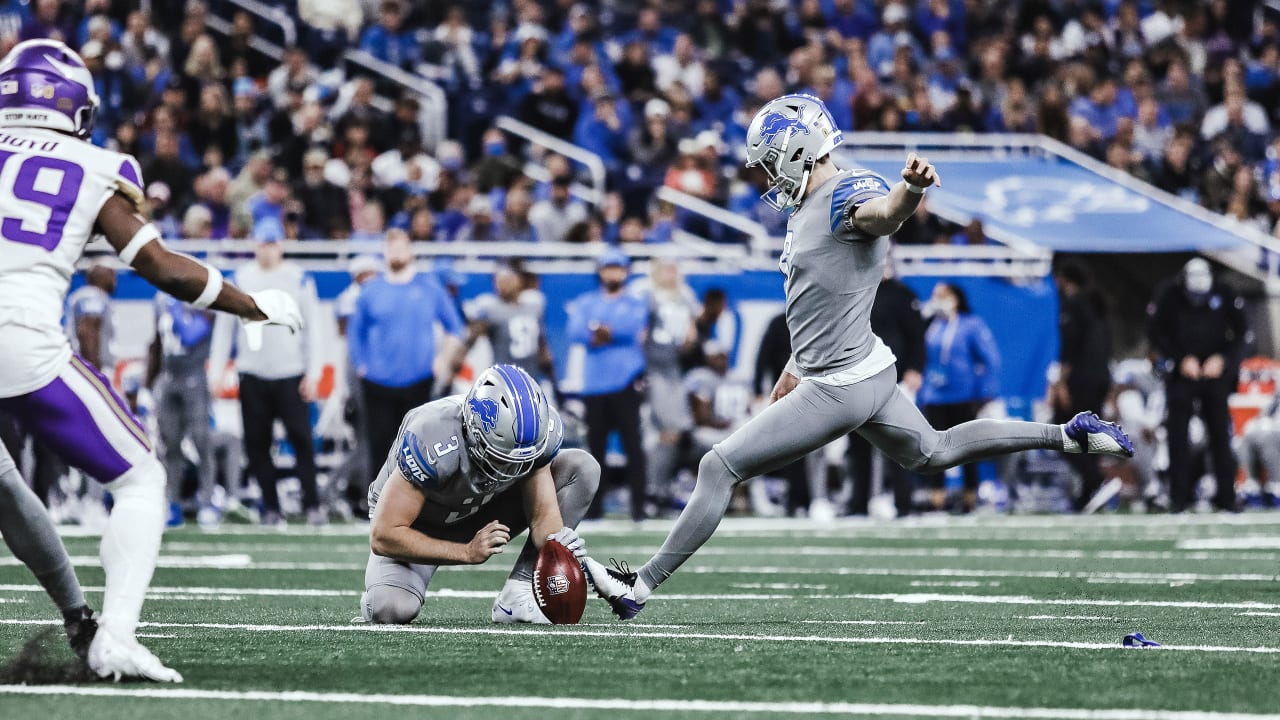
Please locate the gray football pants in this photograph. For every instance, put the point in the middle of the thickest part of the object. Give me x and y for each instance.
(396, 590)
(182, 406)
(813, 415)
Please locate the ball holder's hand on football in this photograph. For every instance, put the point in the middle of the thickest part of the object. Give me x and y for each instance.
(280, 309)
(568, 537)
(559, 585)
(920, 173)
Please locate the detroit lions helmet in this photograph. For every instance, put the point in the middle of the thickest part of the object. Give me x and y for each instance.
(786, 138)
(507, 422)
(45, 84)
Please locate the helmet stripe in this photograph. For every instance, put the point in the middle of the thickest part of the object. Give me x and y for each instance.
(526, 412)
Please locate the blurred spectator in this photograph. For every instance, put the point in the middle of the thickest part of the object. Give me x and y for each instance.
(681, 65)
(1258, 455)
(45, 23)
(197, 223)
(718, 403)
(278, 379)
(211, 189)
(895, 319)
(331, 25)
(354, 472)
(389, 41)
(672, 307)
(516, 225)
(162, 212)
(497, 168)
(551, 218)
(394, 351)
(717, 321)
(1084, 356)
(88, 321)
(480, 225)
(178, 381)
(269, 202)
(611, 323)
(1197, 327)
(962, 374)
(601, 130)
(167, 167)
(549, 107)
(323, 202)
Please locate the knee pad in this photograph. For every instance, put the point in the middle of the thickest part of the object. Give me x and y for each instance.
(145, 478)
(389, 605)
(712, 468)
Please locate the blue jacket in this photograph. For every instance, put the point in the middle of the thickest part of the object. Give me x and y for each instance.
(610, 368)
(399, 49)
(391, 335)
(963, 364)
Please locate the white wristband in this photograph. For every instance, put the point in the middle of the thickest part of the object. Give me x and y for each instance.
(145, 234)
(212, 288)
(914, 189)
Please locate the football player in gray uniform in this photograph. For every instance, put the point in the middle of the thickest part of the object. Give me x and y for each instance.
(841, 376)
(468, 473)
(512, 320)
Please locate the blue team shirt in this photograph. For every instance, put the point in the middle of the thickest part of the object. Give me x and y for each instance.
(610, 368)
(391, 335)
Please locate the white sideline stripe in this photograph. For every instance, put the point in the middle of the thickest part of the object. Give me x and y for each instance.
(864, 622)
(1248, 542)
(1206, 554)
(737, 637)
(245, 562)
(633, 705)
(159, 593)
(1255, 613)
(1066, 617)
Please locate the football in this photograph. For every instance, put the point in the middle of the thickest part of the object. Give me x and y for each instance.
(559, 585)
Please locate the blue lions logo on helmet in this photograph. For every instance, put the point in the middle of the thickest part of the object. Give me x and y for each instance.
(487, 410)
(775, 123)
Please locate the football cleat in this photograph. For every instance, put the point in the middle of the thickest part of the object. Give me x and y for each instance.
(81, 627)
(615, 585)
(113, 658)
(1098, 437)
(516, 604)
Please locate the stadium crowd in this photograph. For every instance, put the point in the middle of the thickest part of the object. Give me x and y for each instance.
(234, 144)
(1181, 94)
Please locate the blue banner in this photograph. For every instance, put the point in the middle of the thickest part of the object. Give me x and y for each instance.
(1058, 204)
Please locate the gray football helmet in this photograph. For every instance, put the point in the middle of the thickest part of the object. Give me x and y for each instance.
(787, 137)
(507, 421)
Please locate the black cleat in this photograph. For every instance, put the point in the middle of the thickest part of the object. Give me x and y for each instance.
(81, 627)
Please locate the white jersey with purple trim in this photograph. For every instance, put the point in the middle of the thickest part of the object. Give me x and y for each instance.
(52, 187)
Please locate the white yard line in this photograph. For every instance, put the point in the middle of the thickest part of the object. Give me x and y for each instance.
(1065, 617)
(631, 635)
(1246, 542)
(1255, 613)
(632, 705)
(1258, 608)
(246, 562)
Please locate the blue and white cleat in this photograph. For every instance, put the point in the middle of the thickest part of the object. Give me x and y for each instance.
(615, 585)
(1098, 437)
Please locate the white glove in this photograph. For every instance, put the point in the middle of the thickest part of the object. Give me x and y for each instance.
(280, 309)
(568, 538)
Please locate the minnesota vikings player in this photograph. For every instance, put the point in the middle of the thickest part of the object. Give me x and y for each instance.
(56, 192)
(468, 473)
(841, 376)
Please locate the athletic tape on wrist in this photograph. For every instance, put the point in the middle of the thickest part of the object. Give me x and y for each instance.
(212, 288)
(145, 234)
(915, 189)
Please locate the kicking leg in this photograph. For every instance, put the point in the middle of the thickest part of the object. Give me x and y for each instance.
(28, 531)
(806, 419)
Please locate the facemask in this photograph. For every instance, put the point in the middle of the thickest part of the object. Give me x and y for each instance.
(495, 149)
(612, 286)
(946, 306)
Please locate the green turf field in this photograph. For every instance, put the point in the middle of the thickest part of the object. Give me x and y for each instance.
(987, 617)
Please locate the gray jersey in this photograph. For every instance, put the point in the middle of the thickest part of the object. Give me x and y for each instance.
(671, 314)
(91, 302)
(832, 272)
(431, 453)
(730, 400)
(515, 331)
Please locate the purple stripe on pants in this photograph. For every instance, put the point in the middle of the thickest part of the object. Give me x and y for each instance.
(62, 422)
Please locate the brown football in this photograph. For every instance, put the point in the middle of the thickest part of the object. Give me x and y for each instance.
(559, 585)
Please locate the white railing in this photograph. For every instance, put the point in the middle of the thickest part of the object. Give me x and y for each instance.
(434, 115)
(266, 47)
(760, 242)
(971, 261)
(593, 163)
(274, 15)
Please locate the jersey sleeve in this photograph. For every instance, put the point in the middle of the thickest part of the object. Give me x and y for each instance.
(429, 446)
(849, 194)
(128, 182)
(555, 438)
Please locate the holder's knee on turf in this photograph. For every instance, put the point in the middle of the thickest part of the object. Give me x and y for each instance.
(390, 605)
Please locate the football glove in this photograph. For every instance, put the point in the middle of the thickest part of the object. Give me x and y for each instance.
(568, 538)
(280, 309)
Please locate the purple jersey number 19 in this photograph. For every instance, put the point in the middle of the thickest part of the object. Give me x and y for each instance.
(60, 203)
